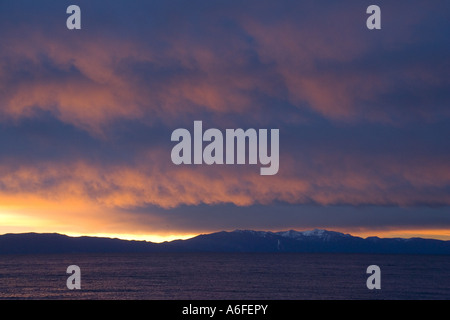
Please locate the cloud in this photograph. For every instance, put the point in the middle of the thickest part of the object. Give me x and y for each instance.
(238, 62)
(86, 116)
(332, 179)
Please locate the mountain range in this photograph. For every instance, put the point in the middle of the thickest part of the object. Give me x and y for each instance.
(235, 241)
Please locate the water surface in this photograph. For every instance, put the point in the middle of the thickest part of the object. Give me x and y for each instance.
(279, 276)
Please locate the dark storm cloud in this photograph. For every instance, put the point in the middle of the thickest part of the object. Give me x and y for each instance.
(363, 115)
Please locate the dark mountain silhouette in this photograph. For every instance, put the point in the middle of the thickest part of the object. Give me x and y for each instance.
(26, 243)
(235, 241)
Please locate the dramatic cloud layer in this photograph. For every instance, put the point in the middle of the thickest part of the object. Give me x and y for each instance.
(86, 115)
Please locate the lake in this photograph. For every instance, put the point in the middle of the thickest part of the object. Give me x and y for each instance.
(224, 276)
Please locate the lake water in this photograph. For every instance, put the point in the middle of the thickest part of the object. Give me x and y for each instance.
(231, 276)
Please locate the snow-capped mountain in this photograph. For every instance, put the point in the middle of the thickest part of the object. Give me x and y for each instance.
(235, 241)
(316, 233)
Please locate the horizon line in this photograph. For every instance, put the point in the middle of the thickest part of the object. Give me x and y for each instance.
(173, 237)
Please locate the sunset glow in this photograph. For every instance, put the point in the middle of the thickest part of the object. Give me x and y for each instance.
(86, 118)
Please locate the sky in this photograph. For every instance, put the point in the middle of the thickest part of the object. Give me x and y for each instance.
(86, 116)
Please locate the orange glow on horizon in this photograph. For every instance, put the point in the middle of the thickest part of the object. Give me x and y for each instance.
(23, 213)
(156, 238)
(9, 224)
(439, 234)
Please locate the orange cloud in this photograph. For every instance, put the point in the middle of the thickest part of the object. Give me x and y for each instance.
(85, 197)
(92, 79)
(153, 180)
(96, 78)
